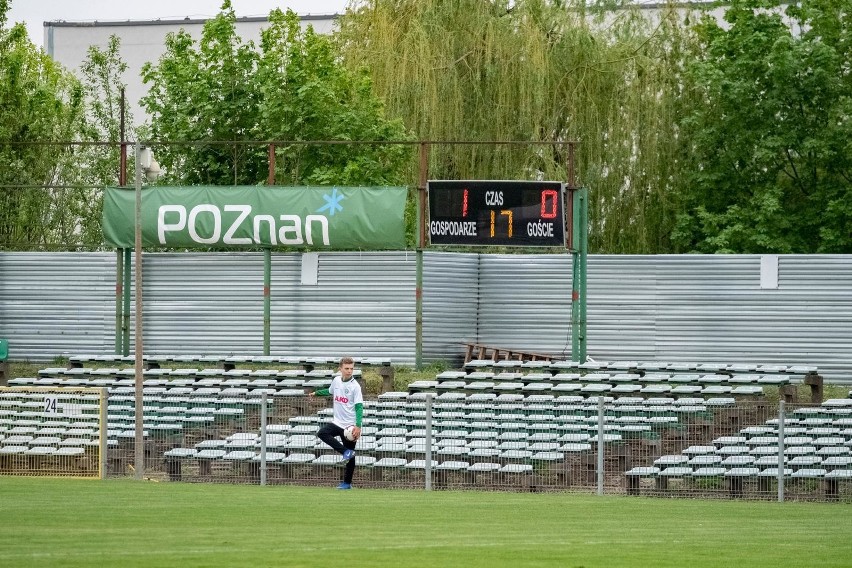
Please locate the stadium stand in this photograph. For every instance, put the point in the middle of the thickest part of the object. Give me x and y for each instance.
(50, 433)
(631, 377)
(817, 447)
(528, 426)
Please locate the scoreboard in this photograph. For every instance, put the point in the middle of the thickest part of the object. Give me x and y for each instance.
(502, 213)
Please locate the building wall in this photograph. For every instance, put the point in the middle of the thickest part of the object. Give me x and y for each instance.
(143, 42)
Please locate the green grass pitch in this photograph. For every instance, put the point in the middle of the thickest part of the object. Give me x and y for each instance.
(67, 522)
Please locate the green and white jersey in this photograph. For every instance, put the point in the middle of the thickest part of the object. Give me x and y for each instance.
(346, 395)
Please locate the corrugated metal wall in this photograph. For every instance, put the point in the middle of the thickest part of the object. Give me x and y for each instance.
(362, 304)
(679, 308)
(703, 308)
(525, 302)
(450, 304)
(57, 303)
(205, 304)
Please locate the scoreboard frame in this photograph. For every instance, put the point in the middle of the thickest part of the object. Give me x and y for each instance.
(496, 213)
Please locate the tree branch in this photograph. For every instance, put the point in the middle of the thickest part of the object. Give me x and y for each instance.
(794, 177)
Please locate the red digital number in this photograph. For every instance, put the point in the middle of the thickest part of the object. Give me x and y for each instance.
(464, 203)
(547, 212)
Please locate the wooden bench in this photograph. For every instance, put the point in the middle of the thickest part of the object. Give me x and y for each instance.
(480, 351)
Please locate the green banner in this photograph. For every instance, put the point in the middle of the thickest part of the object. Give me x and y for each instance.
(315, 218)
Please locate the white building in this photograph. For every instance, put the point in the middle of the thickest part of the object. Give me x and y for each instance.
(143, 41)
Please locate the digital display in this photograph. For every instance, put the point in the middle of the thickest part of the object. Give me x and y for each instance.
(502, 213)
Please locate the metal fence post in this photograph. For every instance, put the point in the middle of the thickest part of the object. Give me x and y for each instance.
(102, 433)
(139, 445)
(600, 465)
(427, 462)
(781, 467)
(263, 400)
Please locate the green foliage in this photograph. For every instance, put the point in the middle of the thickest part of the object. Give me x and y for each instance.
(50, 187)
(533, 70)
(205, 93)
(308, 95)
(732, 138)
(768, 149)
(38, 103)
(291, 88)
(102, 84)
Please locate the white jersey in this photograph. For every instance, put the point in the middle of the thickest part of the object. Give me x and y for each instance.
(345, 395)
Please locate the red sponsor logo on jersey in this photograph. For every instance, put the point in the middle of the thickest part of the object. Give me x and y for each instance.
(342, 399)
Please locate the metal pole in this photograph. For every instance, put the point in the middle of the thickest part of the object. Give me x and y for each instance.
(571, 176)
(583, 274)
(575, 306)
(125, 323)
(577, 274)
(122, 159)
(140, 443)
(267, 300)
(421, 244)
(781, 450)
(119, 259)
(600, 466)
(427, 442)
(263, 401)
(119, 274)
(102, 433)
(267, 264)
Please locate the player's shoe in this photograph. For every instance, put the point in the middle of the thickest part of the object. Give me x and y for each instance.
(348, 455)
(345, 485)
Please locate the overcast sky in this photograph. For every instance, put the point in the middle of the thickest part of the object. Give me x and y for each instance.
(33, 13)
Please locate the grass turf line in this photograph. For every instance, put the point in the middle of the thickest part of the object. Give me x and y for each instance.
(68, 522)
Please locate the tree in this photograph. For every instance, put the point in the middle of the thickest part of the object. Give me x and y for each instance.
(59, 139)
(40, 105)
(206, 94)
(308, 95)
(98, 160)
(537, 70)
(292, 88)
(769, 147)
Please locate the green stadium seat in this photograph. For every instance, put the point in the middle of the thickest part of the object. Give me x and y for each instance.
(671, 460)
(634, 476)
(484, 467)
(839, 474)
(419, 464)
(772, 472)
(364, 460)
(390, 462)
(516, 468)
(675, 472)
(708, 471)
(40, 451)
(69, 451)
(809, 473)
(299, 458)
(738, 461)
(328, 460)
(452, 466)
(547, 456)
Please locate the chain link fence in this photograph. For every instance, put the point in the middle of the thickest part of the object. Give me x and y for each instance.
(259, 426)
